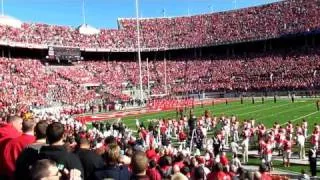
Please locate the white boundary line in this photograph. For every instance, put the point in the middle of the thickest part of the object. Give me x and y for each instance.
(263, 109)
(291, 109)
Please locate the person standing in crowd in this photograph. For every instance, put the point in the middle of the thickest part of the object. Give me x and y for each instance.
(30, 153)
(287, 149)
(292, 97)
(15, 146)
(313, 160)
(112, 170)
(57, 151)
(245, 149)
(263, 169)
(139, 164)
(301, 141)
(90, 160)
(12, 129)
(48, 169)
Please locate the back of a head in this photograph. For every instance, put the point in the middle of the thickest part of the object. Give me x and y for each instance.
(43, 169)
(113, 154)
(84, 143)
(55, 132)
(263, 168)
(139, 162)
(179, 176)
(40, 129)
(16, 122)
(199, 173)
(28, 125)
(218, 167)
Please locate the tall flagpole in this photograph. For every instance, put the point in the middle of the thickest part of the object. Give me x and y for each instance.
(165, 76)
(139, 53)
(148, 75)
(83, 12)
(2, 8)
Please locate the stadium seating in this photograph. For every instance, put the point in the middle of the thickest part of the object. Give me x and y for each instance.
(261, 22)
(30, 82)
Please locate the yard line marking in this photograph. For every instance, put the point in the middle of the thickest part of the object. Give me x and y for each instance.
(302, 117)
(244, 107)
(291, 109)
(263, 109)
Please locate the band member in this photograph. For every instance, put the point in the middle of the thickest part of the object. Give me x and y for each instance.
(301, 141)
(287, 149)
(313, 160)
(245, 148)
(292, 98)
(305, 127)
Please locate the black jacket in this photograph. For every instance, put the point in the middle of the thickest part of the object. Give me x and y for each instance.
(62, 157)
(113, 172)
(90, 162)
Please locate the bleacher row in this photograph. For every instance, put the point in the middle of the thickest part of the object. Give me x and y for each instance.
(261, 22)
(29, 81)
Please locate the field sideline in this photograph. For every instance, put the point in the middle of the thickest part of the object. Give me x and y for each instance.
(282, 111)
(269, 112)
(266, 113)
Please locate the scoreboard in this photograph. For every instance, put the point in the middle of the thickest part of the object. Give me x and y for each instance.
(64, 53)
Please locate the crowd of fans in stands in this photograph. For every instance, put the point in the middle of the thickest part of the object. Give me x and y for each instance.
(29, 82)
(262, 22)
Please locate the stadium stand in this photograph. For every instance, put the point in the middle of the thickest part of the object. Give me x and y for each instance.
(27, 83)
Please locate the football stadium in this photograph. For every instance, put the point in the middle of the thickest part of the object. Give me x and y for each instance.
(222, 95)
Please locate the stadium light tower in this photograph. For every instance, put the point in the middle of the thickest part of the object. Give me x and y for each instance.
(164, 12)
(139, 50)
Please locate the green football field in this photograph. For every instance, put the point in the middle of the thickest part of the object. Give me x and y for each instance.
(282, 111)
(267, 113)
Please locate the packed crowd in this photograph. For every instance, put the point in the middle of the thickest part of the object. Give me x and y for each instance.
(48, 145)
(29, 82)
(267, 21)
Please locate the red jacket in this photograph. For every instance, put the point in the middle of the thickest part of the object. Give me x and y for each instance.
(217, 176)
(151, 153)
(154, 174)
(265, 176)
(12, 151)
(7, 132)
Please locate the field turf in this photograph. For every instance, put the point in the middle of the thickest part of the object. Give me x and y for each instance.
(267, 113)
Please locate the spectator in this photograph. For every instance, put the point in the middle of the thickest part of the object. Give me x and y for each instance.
(48, 169)
(152, 171)
(90, 160)
(139, 164)
(15, 146)
(57, 151)
(8, 131)
(264, 174)
(30, 153)
(112, 168)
